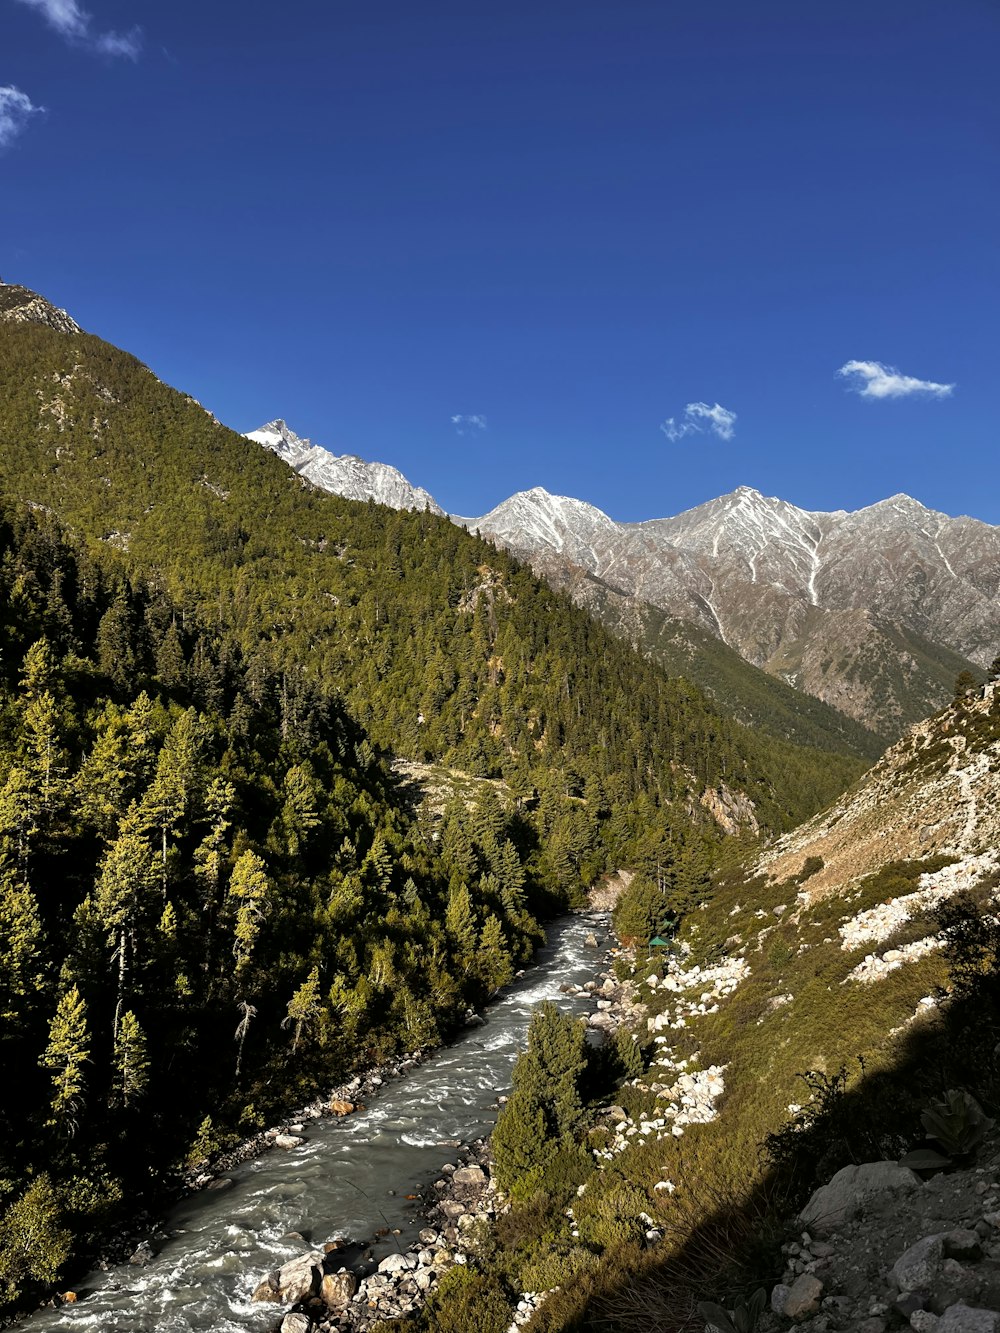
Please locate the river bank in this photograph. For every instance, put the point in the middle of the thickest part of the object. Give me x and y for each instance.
(352, 1176)
(344, 1287)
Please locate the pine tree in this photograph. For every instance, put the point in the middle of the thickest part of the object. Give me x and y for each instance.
(20, 949)
(519, 1144)
(122, 899)
(251, 889)
(65, 1055)
(304, 1008)
(131, 1062)
(548, 1072)
(460, 924)
(494, 965)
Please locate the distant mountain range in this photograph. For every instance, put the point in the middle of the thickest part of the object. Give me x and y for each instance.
(874, 612)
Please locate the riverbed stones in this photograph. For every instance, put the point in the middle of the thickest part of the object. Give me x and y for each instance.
(341, 1107)
(296, 1323)
(288, 1141)
(470, 1175)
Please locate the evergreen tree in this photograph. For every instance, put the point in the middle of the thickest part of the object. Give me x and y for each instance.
(519, 1144)
(251, 890)
(549, 1071)
(65, 1055)
(131, 1062)
(20, 949)
(304, 1008)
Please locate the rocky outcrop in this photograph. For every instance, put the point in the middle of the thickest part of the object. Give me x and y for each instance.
(18, 305)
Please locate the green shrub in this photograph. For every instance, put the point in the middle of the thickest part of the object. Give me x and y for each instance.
(33, 1242)
(467, 1302)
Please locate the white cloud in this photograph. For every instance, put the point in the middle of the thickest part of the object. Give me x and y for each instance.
(16, 109)
(74, 23)
(127, 44)
(699, 417)
(468, 424)
(871, 379)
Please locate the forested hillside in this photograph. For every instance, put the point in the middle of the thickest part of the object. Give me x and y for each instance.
(211, 896)
(441, 646)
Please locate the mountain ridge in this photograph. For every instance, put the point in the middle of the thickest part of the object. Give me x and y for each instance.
(872, 611)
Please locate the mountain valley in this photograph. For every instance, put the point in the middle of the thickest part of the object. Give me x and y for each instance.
(293, 773)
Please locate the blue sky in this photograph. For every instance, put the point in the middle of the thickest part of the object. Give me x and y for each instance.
(573, 221)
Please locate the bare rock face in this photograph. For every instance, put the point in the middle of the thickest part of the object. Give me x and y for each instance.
(18, 305)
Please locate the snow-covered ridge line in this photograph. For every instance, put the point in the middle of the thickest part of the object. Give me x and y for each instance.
(342, 474)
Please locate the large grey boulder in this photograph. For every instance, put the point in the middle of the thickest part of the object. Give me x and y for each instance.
(470, 1175)
(397, 1263)
(965, 1319)
(299, 1278)
(839, 1202)
(296, 1323)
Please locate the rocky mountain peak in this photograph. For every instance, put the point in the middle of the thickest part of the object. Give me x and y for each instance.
(342, 474)
(20, 305)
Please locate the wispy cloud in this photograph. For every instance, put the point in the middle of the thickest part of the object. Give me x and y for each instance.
(871, 379)
(699, 417)
(16, 109)
(468, 424)
(68, 19)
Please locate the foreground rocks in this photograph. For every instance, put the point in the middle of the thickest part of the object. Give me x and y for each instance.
(883, 1250)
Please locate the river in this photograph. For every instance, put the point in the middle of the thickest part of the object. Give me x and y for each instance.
(349, 1179)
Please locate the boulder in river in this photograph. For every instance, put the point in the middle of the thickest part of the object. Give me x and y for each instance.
(288, 1141)
(268, 1290)
(339, 1107)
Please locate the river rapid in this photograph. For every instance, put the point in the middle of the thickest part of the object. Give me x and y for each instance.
(348, 1180)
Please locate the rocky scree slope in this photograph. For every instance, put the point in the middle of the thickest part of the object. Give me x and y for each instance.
(935, 792)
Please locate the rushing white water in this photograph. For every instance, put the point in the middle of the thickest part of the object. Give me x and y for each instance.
(349, 1179)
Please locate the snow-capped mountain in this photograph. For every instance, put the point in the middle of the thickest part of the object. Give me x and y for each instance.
(872, 611)
(342, 474)
(535, 520)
